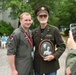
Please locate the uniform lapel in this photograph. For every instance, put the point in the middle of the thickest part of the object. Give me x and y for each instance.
(38, 31)
(42, 35)
(46, 30)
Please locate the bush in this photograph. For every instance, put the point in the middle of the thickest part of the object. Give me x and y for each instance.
(5, 28)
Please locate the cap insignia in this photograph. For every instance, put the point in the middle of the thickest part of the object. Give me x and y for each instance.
(42, 8)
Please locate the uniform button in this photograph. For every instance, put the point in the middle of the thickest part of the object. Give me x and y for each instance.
(41, 39)
(48, 30)
(41, 33)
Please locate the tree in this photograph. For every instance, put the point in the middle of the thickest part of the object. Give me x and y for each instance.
(66, 12)
(62, 12)
(19, 6)
(16, 6)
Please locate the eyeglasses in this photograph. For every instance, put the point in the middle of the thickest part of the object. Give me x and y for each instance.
(41, 16)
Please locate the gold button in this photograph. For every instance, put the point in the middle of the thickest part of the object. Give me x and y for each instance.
(41, 39)
(48, 30)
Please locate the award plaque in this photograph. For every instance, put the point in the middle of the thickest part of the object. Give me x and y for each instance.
(46, 48)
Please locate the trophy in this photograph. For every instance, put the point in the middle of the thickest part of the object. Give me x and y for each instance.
(46, 48)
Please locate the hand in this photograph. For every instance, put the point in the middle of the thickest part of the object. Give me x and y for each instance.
(70, 43)
(68, 72)
(49, 58)
(14, 72)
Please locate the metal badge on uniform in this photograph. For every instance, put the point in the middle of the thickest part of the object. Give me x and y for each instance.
(46, 48)
(32, 53)
(42, 8)
(49, 35)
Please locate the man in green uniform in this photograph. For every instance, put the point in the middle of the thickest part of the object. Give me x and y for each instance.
(71, 57)
(49, 64)
(20, 47)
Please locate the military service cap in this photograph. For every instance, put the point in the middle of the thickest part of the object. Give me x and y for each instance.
(41, 9)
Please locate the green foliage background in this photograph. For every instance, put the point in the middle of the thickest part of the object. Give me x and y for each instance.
(5, 28)
(62, 12)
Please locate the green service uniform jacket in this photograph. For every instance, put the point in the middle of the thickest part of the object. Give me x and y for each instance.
(71, 61)
(19, 46)
(51, 33)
